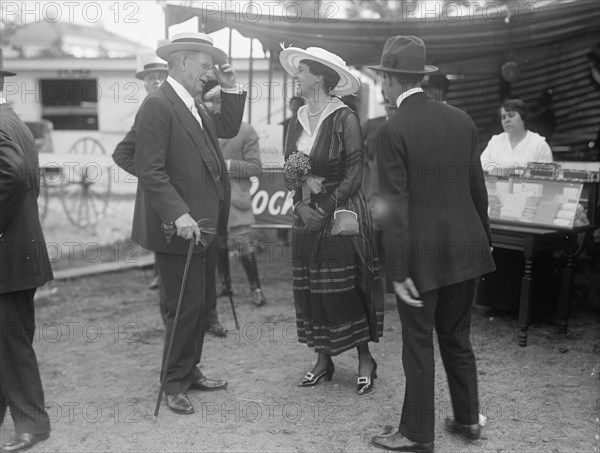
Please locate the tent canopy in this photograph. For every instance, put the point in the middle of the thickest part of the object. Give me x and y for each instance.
(549, 42)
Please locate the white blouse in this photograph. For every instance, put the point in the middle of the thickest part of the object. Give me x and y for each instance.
(307, 138)
(500, 154)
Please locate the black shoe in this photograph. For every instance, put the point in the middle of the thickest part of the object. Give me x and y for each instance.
(207, 385)
(259, 297)
(366, 384)
(155, 282)
(217, 330)
(496, 312)
(180, 403)
(23, 441)
(397, 442)
(471, 432)
(223, 292)
(310, 379)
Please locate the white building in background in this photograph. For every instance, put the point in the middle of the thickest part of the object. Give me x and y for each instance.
(81, 79)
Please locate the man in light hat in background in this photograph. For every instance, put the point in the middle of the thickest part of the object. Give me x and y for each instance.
(182, 178)
(437, 239)
(25, 267)
(242, 156)
(153, 73)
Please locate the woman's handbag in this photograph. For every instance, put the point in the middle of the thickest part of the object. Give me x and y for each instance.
(345, 223)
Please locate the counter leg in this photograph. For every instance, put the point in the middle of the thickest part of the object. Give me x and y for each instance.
(565, 295)
(525, 304)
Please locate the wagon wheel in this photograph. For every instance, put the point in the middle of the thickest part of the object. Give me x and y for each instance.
(86, 188)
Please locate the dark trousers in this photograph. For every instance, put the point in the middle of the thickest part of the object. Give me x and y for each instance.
(448, 309)
(200, 293)
(20, 384)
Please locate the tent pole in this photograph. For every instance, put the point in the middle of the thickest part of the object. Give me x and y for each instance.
(285, 100)
(229, 49)
(250, 77)
(270, 84)
(166, 10)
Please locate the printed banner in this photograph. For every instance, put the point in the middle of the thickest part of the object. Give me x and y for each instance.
(271, 201)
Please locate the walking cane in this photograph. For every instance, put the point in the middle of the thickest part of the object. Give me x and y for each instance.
(224, 262)
(163, 380)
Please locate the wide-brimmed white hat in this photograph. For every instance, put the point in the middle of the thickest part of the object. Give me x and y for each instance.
(195, 42)
(291, 57)
(151, 63)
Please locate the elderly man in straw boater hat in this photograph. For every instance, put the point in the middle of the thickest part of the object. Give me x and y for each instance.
(437, 238)
(153, 73)
(25, 267)
(182, 178)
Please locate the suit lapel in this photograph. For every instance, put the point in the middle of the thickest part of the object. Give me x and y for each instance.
(191, 126)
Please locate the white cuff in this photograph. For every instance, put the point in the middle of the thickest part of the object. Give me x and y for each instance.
(237, 89)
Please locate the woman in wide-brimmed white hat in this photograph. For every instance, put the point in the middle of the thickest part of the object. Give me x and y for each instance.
(337, 287)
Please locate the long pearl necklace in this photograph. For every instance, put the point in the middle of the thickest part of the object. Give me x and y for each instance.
(317, 113)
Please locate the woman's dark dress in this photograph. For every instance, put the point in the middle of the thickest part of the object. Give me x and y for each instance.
(338, 291)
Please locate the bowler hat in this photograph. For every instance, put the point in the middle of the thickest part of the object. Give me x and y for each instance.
(404, 54)
(195, 42)
(4, 73)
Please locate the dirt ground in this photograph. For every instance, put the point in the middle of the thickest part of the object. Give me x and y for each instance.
(99, 342)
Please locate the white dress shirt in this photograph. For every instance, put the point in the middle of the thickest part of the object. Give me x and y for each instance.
(186, 97)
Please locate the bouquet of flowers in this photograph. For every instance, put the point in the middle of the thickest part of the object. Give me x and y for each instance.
(298, 176)
(296, 170)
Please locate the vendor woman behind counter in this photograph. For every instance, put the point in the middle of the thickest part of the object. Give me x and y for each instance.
(516, 146)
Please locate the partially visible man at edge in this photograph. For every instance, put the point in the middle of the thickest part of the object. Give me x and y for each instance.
(25, 266)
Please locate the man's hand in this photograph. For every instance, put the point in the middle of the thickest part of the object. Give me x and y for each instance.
(313, 219)
(225, 75)
(408, 293)
(187, 228)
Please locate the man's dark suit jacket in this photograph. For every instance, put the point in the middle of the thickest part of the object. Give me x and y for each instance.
(437, 227)
(24, 263)
(179, 167)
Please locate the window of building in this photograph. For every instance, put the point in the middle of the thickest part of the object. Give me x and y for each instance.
(70, 104)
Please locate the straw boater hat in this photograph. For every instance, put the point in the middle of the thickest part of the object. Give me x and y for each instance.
(291, 57)
(404, 54)
(152, 64)
(4, 73)
(195, 42)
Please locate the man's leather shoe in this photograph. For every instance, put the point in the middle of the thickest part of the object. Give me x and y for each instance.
(397, 442)
(224, 291)
(217, 330)
(23, 441)
(155, 282)
(258, 298)
(207, 385)
(180, 403)
(472, 432)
